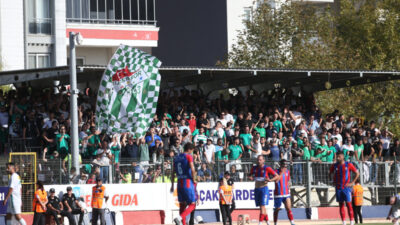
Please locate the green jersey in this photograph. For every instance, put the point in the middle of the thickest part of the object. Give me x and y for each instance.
(234, 152)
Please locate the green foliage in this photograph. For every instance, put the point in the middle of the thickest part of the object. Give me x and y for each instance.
(361, 35)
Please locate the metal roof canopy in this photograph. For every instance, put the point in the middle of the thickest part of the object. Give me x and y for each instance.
(216, 77)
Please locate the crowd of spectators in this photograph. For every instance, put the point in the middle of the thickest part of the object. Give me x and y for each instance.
(226, 131)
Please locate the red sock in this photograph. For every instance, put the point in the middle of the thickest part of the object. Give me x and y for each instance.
(187, 211)
(350, 210)
(261, 217)
(342, 212)
(266, 217)
(290, 214)
(276, 212)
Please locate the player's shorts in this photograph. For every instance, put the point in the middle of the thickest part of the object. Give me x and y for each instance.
(396, 214)
(14, 206)
(279, 200)
(187, 192)
(343, 195)
(261, 196)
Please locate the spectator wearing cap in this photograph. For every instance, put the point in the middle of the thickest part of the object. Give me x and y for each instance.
(71, 206)
(55, 208)
(99, 201)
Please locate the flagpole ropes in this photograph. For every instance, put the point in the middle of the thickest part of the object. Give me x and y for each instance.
(74, 103)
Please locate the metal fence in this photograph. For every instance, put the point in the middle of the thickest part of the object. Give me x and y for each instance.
(311, 185)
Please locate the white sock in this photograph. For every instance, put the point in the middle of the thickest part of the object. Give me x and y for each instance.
(22, 221)
(267, 222)
(292, 222)
(344, 222)
(351, 222)
(396, 223)
(260, 223)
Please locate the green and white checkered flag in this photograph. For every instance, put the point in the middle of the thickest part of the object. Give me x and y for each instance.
(128, 92)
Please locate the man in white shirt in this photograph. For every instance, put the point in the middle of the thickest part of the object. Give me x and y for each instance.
(14, 195)
(336, 134)
(209, 150)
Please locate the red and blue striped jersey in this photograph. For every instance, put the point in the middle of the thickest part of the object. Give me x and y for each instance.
(282, 186)
(260, 173)
(342, 175)
(182, 166)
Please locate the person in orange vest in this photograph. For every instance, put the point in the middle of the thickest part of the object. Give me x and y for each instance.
(357, 201)
(225, 199)
(39, 205)
(99, 194)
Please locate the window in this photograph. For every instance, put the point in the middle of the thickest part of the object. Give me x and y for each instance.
(80, 61)
(247, 14)
(111, 11)
(39, 17)
(38, 61)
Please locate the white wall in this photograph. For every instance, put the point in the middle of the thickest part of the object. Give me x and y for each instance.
(98, 55)
(235, 12)
(60, 54)
(12, 34)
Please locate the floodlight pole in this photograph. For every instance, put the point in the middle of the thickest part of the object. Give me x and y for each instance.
(73, 103)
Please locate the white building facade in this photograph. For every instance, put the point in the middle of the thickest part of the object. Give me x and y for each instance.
(34, 33)
(238, 11)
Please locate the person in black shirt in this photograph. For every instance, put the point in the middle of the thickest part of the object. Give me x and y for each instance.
(130, 148)
(30, 130)
(71, 204)
(203, 121)
(55, 208)
(368, 150)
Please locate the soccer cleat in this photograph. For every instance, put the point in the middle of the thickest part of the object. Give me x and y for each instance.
(177, 221)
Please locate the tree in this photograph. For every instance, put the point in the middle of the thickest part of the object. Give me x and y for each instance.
(360, 35)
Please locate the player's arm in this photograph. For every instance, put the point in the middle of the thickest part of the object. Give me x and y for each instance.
(390, 213)
(251, 174)
(222, 194)
(275, 175)
(194, 175)
(8, 195)
(354, 170)
(331, 172)
(172, 178)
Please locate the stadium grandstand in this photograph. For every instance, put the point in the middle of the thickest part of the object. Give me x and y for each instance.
(231, 116)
